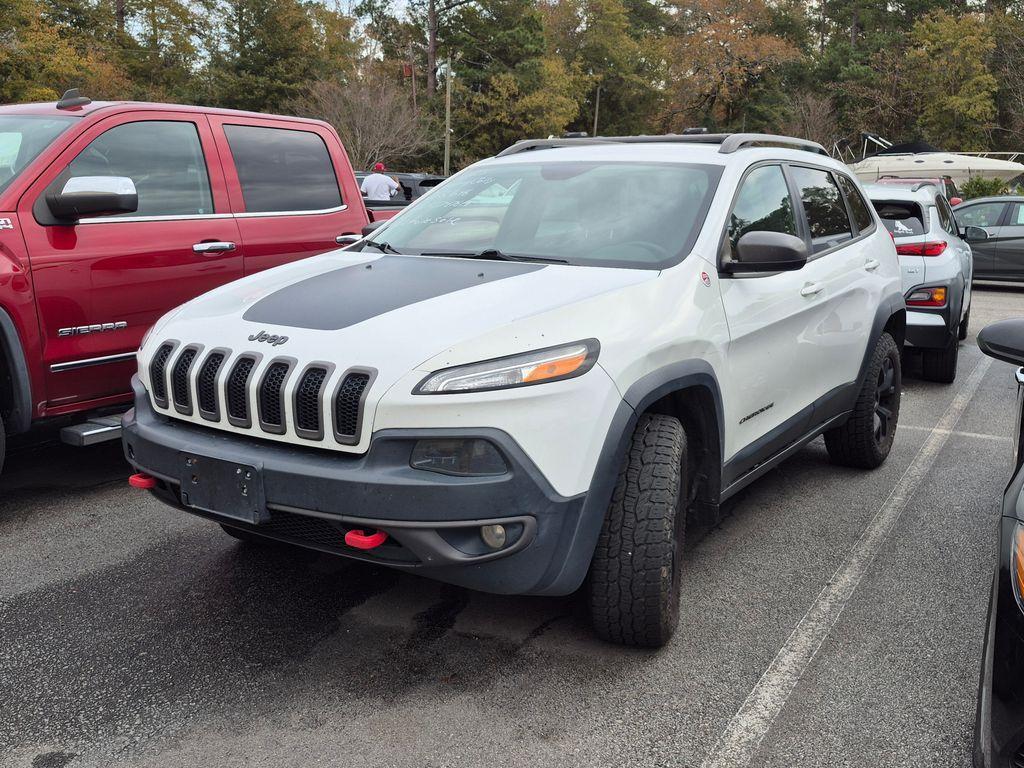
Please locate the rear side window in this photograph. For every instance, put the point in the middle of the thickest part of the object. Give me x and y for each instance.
(945, 215)
(824, 207)
(859, 208)
(980, 215)
(763, 204)
(902, 219)
(282, 169)
(163, 158)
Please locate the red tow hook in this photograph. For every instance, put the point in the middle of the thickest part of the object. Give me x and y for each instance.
(360, 540)
(140, 480)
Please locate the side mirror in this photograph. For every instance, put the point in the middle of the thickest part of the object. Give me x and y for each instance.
(1004, 340)
(760, 251)
(975, 233)
(369, 228)
(93, 196)
(346, 240)
(955, 201)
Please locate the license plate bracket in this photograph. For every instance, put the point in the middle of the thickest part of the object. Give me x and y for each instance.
(227, 488)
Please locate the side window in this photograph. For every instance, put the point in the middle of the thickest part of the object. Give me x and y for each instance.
(163, 158)
(1017, 216)
(763, 204)
(980, 215)
(282, 169)
(826, 213)
(945, 215)
(861, 215)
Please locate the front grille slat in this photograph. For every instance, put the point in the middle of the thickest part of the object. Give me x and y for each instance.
(237, 392)
(180, 384)
(270, 397)
(348, 403)
(158, 374)
(206, 385)
(307, 403)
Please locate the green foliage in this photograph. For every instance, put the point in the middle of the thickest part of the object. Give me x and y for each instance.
(978, 186)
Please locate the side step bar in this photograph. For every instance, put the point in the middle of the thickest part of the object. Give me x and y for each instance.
(96, 430)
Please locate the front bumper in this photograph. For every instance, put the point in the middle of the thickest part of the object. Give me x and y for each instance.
(312, 498)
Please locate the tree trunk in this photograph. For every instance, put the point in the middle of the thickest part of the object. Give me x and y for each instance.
(119, 15)
(431, 47)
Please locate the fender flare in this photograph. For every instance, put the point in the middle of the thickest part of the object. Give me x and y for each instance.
(639, 396)
(886, 310)
(20, 417)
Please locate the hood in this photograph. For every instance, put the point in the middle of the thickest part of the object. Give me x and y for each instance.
(391, 313)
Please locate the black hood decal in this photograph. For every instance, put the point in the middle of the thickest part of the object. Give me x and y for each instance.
(350, 295)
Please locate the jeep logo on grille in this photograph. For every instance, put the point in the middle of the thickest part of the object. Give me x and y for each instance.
(269, 338)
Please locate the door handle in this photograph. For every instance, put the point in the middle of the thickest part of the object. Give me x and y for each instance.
(216, 246)
(811, 289)
(872, 264)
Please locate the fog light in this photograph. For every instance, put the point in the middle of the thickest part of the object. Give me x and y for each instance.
(493, 536)
(467, 458)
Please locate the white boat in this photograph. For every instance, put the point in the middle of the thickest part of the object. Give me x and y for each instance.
(880, 157)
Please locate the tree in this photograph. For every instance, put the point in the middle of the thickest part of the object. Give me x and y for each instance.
(948, 71)
(372, 115)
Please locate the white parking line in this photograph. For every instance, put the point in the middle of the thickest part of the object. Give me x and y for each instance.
(743, 735)
(958, 433)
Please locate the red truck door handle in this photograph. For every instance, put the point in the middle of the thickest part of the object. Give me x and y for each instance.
(213, 246)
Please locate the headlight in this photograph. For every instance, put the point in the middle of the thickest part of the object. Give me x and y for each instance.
(1017, 564)
(551, 364)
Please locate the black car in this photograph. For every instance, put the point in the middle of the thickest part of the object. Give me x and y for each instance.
(998, 240)
(999, 731)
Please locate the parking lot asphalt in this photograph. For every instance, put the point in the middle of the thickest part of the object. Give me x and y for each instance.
(833, 618)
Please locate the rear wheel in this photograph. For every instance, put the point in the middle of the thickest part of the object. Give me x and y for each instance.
(940, 364)
(635, 574)
(866, 438)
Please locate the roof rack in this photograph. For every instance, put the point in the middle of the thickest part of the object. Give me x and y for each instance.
(72, 98)
(729, 142)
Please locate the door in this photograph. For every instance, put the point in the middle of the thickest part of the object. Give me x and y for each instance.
(102, 282)
(290, 185)
(1009, 255)
(988, 217)
(774, 371)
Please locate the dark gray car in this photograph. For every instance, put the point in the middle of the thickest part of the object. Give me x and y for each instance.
(996, 236)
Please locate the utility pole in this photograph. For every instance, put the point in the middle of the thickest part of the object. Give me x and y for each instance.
(447, 114)
(597, 108)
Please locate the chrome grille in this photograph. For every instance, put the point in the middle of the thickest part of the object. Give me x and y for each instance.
(348, 401)
(158, 374)
(307, 403)
(180, 380)
(237, 391)
(206, 386)
(271, 397)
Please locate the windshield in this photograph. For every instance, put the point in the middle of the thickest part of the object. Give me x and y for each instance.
(22, 138)
(641, 215)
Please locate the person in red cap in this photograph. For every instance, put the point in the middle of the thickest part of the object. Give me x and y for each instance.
(378, 186)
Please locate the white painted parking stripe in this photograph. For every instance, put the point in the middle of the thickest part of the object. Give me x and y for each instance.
(743, 735)
(958, 433)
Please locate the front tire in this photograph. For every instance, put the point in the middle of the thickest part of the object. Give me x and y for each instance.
(635, 574)
(3, 444)
(865, 440)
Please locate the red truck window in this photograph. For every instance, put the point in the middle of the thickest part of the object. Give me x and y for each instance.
(163, 158)
(283, 169)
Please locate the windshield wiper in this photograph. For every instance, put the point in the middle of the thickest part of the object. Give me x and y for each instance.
(383, 247)
(495, 255)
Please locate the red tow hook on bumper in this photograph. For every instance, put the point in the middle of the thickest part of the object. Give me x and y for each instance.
(139, 480)
(360, 540)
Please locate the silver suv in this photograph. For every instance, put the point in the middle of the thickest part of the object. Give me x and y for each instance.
(936, 265)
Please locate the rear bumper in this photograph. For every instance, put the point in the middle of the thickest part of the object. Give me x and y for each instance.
(312, 498)
(935, 327)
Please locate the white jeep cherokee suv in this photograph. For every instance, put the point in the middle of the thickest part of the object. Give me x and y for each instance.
(937, 266)
(535, 372)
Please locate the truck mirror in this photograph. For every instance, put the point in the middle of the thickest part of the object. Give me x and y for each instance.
(93, 196)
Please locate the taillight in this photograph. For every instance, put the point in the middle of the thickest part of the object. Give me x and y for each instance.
(927, 297)
(921, 249)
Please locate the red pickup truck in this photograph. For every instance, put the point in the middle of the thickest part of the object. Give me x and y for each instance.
(113, 213)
